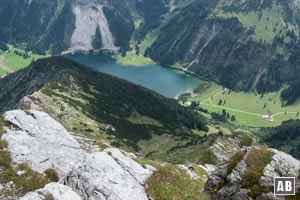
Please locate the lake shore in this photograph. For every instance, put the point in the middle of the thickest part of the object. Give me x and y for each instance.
(164, 80)
(132, 59)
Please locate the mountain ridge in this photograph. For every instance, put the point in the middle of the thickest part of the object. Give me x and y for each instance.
(105, 108)
(247, 45)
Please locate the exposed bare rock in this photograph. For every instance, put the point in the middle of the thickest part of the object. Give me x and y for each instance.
(208, 168)
(296, 3)
(269, 196)
(216, 178)
(237, 174)
(109, 175)
(223, 184)
(33, 196)
(282, 165)
(37, 139)
(55, 190)
(224, 148)
(189, 172)
(89, 18)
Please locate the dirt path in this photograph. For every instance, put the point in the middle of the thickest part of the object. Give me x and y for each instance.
(235, 110)
(4, 67)
(210, 103)
(209, 99)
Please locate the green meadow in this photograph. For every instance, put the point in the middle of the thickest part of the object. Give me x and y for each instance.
(247, 107)
(149, 40)
(266, 25)
(132, 59)
(11, 61)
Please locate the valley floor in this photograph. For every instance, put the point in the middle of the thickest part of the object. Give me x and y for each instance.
(3, 68)
(250, 109)
(15, 59)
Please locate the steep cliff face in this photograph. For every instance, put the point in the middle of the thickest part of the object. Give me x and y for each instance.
(90, 19)
(65, 25)
(249, 174)
(35, 138)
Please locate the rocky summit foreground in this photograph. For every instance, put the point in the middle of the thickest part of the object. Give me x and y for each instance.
(36, 139)
(249, 175)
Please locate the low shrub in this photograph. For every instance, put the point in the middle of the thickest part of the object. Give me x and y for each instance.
(208, 157)
(169, 183)
(52, 175)
(256, 161)
(24, 167)
(5, 158)
(234, 160)
(3, 144)
(31, 181)
(2, 124)
(296, 197)
(48, 197)
(246, 139)
(27, 182)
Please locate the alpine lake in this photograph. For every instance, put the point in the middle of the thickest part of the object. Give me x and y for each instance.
(166, 81)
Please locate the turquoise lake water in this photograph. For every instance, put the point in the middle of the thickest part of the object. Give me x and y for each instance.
(164, 80)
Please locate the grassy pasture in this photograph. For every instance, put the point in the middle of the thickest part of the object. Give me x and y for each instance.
(132, 59)
(13, 62)
(247, 107)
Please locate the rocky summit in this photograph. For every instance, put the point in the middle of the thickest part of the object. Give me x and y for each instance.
(249, 174)
(149, 99)
(108, 175)
(35, 138)
(56, 190)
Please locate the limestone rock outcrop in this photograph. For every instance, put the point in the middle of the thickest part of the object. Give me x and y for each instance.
(108, 175)
(55, 191)
(35, 138)
(229, 185)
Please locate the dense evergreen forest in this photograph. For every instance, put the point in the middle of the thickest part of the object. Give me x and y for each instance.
(285, 137)
(36, 25)
(151, 11)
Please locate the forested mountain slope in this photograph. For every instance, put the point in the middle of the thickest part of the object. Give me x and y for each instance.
(240, 44)
(105, 108)
(37, 25)
(47, 26)
(285, 137)
(243, 45)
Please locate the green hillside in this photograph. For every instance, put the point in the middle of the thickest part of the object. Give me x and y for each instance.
(101, 108)
(247, 108)
(14, 59)
(243, 45)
